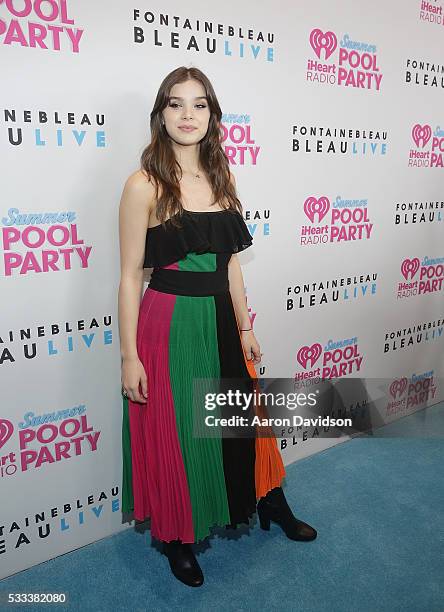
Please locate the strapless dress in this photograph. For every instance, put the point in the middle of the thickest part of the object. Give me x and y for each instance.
(187, 329)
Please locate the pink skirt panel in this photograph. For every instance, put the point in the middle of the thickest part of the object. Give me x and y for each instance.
(160, 485)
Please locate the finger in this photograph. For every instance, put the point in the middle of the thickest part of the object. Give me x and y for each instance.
(144, 385)
(140, 393)
(137, 397)
(257, 354)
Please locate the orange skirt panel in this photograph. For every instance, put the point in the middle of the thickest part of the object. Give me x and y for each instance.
(269, 467)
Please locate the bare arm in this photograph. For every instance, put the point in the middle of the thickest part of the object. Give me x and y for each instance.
(238, 297)
(237, 292)
(134, 211)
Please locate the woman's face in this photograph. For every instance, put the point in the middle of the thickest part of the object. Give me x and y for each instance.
(187, 114)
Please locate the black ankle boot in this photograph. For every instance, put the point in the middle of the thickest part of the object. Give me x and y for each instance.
(274, 507)
(183, 563)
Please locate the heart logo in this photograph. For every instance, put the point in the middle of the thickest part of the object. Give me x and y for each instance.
(398, 387)
(323, 40)
(6, 429)
(409, 266)
(309, 353)
(421, 133)
(320, 206)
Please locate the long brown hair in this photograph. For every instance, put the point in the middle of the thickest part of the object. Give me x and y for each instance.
(159, 161)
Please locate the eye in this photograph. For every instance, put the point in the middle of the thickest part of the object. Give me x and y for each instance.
(176, 104)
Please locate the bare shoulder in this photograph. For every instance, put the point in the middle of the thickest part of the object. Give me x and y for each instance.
(139, 192)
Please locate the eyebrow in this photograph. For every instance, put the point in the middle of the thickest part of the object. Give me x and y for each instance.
(196, 98)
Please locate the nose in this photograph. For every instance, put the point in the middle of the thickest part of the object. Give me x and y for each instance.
(187, 113)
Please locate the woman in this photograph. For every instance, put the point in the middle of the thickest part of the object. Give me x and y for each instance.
(180, 215)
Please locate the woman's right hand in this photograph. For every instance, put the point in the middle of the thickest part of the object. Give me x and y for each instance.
(133, 375)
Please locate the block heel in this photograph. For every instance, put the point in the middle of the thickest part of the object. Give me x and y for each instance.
(274, 507)
(264, 520)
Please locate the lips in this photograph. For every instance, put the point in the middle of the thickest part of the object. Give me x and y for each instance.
(187, 128)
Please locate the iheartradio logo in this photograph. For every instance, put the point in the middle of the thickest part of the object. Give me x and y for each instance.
(319, 206)
(309, 355)
(338, 358)
(410, 267)
(6, 429)
(421, 135)
(325, 41)
(398, 387)
(355, 62)
(410, 393)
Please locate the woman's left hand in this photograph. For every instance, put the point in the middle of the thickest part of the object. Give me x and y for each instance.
(251, 346)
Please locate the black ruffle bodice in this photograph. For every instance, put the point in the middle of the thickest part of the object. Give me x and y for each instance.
(201, 232)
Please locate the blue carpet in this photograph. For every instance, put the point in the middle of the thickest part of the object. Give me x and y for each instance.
(377, 503)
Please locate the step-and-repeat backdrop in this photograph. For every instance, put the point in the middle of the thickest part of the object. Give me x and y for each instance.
(332, 115)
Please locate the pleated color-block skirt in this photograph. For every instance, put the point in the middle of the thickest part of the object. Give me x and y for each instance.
(183, 483)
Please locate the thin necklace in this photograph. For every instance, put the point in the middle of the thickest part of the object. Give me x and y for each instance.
(195, 174)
